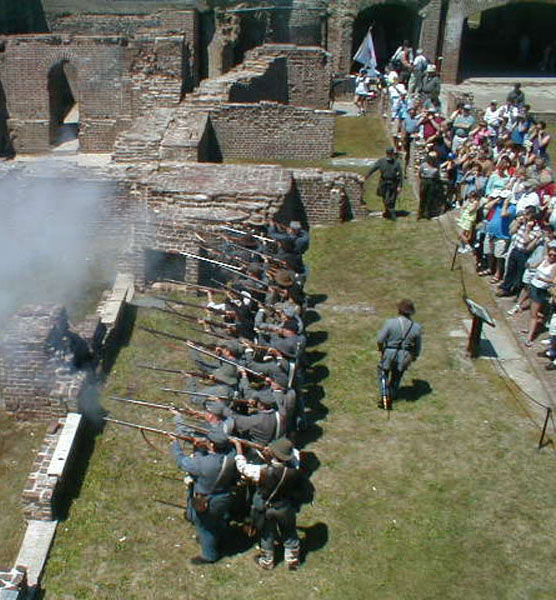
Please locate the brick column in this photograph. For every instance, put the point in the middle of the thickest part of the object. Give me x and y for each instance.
(452, 42)
(340, 32)
(430, 28)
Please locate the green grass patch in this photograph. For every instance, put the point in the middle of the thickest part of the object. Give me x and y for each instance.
(447, 498)
(19, 443)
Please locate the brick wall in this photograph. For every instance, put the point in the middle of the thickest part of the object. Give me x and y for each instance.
(329, 196)
(182, 22)
(186, 197)
(115, 79)
(38, 378)
(308, 72)
(273, 131)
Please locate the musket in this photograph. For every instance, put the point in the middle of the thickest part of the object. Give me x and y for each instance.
(183, 410)
(239, 232)
(203, 288)
(192, 393)
(186, 438)
(227, 266)
(225, 360)
(205, 395)
(255, 252)
(190, 305)
(197, 374)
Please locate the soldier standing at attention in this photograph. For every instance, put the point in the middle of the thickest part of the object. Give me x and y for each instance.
(390, 184)
(399, 342)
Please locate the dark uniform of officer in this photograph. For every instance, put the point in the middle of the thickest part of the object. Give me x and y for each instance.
(391, 176)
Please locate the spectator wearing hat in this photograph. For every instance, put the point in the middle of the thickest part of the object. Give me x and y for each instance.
(529, 197)
(214, 475)
(391, 177)
(431, 86)
(399, 342)
(275, 502)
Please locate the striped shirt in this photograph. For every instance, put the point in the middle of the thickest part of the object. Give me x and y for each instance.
(523, 237)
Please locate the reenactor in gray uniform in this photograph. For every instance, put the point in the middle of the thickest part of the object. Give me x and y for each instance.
(399, 342)
(214, 475)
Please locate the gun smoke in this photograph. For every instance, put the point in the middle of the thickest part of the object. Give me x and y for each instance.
(51, 243)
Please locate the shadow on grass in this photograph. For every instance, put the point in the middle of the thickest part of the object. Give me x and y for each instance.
(414, 392)
(73, 481)
(119, 337)
(314, 538)
(315, 299)
(314, 338)
(311, 316)
(314, 357)
(317, 373)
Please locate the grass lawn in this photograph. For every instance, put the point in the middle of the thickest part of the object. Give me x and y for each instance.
(19, 443)
(447, 499)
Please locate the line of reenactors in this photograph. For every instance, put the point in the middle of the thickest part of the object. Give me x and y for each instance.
(247, 389)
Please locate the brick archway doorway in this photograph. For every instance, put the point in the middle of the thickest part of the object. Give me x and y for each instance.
(392, 24)
(63, 104)
(515, 39)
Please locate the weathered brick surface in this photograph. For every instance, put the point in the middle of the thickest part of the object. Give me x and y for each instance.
(329, 196)
(116, 80)
(273, 131)
(38, 378)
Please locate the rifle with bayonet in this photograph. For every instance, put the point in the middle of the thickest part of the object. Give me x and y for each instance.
(218, 311)
(258, 253)
(245, 233)
(226, 266)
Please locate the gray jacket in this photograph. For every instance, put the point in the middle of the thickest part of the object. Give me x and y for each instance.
(400, 340)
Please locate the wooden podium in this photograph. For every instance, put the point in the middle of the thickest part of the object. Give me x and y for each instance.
(480, 315)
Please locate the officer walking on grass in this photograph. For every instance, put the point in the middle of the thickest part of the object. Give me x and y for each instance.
(390, 184)
(399, 342)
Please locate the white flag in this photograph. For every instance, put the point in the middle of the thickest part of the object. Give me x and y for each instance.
(366, 53)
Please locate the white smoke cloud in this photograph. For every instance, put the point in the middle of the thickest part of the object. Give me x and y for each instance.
(52, 247)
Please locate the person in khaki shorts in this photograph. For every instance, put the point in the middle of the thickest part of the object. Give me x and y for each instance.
(502, 212)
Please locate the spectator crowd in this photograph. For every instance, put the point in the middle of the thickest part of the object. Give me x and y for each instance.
(493, 165)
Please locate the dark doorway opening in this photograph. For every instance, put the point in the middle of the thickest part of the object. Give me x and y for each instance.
(6, 148)
(392, 24)
(163, 265)
(512, 40)
(63, 106)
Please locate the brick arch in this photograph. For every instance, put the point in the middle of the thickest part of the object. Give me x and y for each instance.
(343, 16)
(458, 12)
(471, 7)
